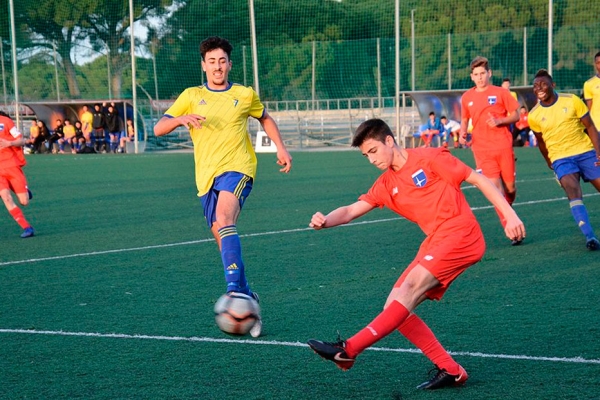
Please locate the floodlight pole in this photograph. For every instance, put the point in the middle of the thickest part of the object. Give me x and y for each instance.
(3, 72)
(133, 79)
(254, 49)
(14, 61)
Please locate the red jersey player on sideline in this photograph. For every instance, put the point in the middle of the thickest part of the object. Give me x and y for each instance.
(11, 174)
(492, 109)
(422, 185)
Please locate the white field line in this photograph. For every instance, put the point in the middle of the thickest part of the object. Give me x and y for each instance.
(158, 246)
(577, 360)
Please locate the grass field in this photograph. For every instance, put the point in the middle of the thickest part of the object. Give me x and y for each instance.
(113, 297)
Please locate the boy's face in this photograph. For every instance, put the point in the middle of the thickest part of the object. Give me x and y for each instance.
(379, 154)
(216, 65)
(543, 88)
(481, 77)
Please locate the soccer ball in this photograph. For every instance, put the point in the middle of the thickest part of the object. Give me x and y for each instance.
(236, 313)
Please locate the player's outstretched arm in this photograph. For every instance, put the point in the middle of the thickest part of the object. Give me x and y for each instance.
(283, 156)
(340, 216)
(514, 228)
(166, 125)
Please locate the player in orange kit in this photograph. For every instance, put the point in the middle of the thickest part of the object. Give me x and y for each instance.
(423, 186)
(492, 110)
(11, 174)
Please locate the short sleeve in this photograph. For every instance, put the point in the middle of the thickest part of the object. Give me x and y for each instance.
(181, 105)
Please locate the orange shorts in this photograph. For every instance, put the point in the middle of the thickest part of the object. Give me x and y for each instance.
(447, 255)
(496, 164)
(13, 178)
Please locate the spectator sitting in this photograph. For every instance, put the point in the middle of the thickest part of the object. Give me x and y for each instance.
(130, 137)
(434, 127)
(80, 141)
(56, 136)
(34, 132)
(99, 125)
(521, 130)
(114, 127)
(68, 138)
(452, 128)
(42, 136)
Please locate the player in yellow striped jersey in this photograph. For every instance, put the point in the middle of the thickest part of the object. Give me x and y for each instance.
(591, 92)
(216, 114)
(569, 142)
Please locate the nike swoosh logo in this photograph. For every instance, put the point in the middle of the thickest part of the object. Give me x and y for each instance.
(458, 378)
(338, 358)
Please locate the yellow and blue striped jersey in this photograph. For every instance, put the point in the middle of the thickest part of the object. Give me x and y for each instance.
(223, 143)
(591, 91)
(561, 127)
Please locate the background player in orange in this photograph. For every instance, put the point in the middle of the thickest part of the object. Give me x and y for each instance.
(415, 180)
(11, 174)
(492, 110)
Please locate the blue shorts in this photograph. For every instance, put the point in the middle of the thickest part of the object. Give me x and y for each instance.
(234, 182)
(582, 164)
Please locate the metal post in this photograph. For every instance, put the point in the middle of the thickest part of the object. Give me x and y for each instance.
(154, 67)
(108, 71)
(412, 49)
(397, 61)
(133, 79)
(550, 24)
(244, 65)
(525, 56)
(56, 71)
(14, 62)
(3, 72)
(254, 49)
(379, 74)
(314, 73)
(449, 61)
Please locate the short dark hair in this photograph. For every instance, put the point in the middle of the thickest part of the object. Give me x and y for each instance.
(543, 73)
(506, 80)
(443, 117)
(597, 55)
(213, 43)
(374, 128)
(2, 113)
(432, 113)
(480, 61)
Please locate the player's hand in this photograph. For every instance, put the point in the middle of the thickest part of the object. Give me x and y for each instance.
(317, 221)
(462, 138)
(514, 229)
(493, 121)
(285, 160)
(191, 121)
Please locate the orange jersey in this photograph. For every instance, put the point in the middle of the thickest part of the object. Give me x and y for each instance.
(426, 191)
(10, 156)
(495, 102)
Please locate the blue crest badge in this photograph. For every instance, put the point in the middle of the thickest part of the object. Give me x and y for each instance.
(419, 178)
(492, 100)
(1, 127)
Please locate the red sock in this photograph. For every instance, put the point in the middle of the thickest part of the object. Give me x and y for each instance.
(419, 334)
(17, 214)
(384, 324)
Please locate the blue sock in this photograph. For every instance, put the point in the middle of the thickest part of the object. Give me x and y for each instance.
(581, 218)
(231, 255)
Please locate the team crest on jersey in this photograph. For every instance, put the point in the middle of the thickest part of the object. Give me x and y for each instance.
(565, 110)
(202, 103)
(492, 100)
(235, 102)
(1, 127)
(419, 178)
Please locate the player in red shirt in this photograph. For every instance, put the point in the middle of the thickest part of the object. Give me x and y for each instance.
(11, 174)
(422, 185)
(492, 110)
